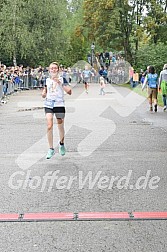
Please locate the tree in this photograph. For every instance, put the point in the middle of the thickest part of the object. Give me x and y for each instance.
(110, 24)
(155, 55)
(101, 22)
(33, 31)
(156, 20)
(76, 33)
(13, 31)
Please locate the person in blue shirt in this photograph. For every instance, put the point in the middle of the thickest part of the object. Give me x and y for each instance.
(104, 73)
(151, 80)
(86, 78)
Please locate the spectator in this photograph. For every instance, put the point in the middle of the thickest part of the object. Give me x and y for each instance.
(163, 84)
(151, 80)
(135, 79)
(131, 72)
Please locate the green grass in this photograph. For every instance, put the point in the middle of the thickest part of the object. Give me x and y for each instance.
(143, 93)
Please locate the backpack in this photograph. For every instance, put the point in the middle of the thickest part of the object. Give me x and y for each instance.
(164, 87)
(152, 80)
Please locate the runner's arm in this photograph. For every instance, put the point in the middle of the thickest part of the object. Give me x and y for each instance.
(44, 92)
(67, 89)
(160, 80)
(145, 83)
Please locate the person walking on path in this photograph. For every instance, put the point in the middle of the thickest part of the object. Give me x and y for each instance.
(151, 80)
(102, 85)
(135, 79)
(54, 104)
(104, 73)
(163, 85)
(131, 72)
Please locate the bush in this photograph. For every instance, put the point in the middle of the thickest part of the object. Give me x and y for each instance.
(155, 55)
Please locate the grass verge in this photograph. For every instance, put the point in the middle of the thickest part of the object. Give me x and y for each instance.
(143, 93)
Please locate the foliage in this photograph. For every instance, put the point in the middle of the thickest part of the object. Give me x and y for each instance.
(37, 32)
(156, 20)
(76, 34)
(32, 31)
(126, 25)
(155, 55)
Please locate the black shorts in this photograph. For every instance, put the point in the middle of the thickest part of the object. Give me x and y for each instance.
(58, 111)
(86, 80)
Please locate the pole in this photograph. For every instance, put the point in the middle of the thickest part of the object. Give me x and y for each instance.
(14, 32)
(92, 59)
(92, 48)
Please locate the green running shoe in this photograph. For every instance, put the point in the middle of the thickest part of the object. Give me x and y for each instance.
(62, 150)
(50, 153)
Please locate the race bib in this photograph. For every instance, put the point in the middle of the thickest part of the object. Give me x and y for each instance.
(49, 103)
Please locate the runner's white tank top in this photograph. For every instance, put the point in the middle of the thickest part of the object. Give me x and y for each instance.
(56, 94)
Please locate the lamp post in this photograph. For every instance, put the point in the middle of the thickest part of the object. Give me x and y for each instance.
(92, 49)
(14, 31)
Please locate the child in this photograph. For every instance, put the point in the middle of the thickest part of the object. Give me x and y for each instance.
(102, 85)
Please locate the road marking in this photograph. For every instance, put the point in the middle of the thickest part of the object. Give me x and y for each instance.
(91, 99)
(82, 216)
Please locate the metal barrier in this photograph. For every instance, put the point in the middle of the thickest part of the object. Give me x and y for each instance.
(1, 89)
(10, 88)
(29, 82)
(7, 87)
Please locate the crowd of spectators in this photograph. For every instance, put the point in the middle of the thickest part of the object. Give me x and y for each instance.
(108, 65)
(21, 77)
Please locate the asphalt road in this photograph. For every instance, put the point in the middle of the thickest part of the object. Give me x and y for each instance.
(115, 162)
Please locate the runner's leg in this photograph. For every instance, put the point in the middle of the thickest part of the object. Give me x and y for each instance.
(60, 124)
(49, 118)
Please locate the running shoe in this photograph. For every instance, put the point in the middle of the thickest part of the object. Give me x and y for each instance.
(62, 150)
(50, 153)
